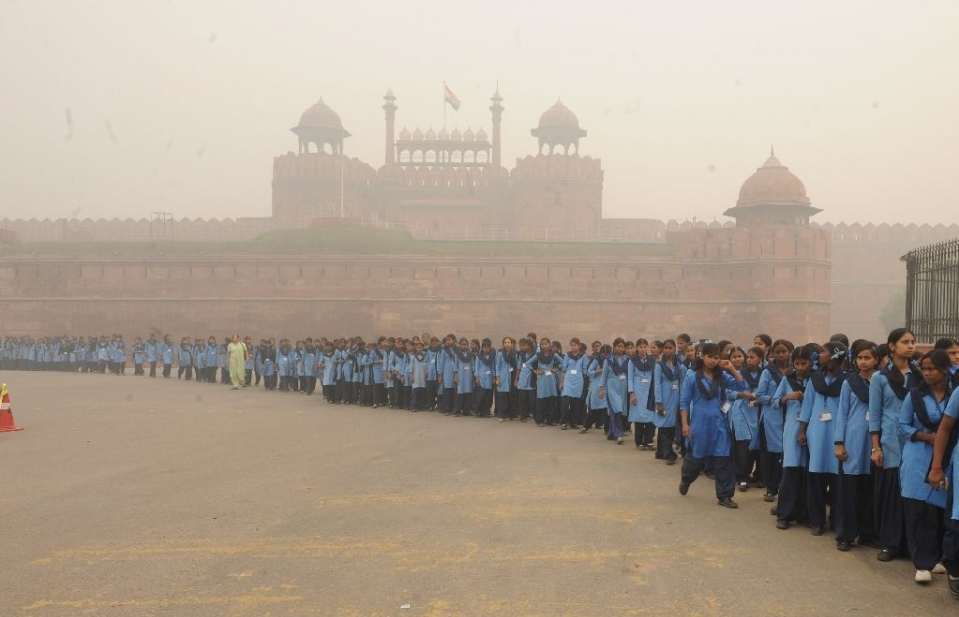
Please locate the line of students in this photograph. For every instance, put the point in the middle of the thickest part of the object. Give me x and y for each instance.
(858, 441)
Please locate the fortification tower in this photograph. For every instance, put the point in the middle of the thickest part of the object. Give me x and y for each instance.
(444, 183)
(558, 191)
(318, 181)
(772, 196)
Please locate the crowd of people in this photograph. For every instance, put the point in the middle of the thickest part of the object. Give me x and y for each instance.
(856, 439)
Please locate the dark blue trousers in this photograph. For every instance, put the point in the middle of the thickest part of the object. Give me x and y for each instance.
(722, 466)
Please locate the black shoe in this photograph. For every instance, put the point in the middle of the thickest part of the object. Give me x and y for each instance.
(774, 511)
(727, 502)
(872, 542)
(683, 488)
(954, 585)
(885, 555)
(769, 498)
(670, 461)
(818, 530)
(843, 545)
(780, 524)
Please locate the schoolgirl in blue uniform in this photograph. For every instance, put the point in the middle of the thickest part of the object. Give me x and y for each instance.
(139, 356)
(377, 361)
(546, 366)
(166, 356)
(641, 385)
(919, 420)
(417, 372)
(668, 376)
(702, 410)
(943, 478)
(210, 360)
(398, 372)
(223, 360)
(788, 399)
(771, 419)
(744, 414)
(887, 390)
(484, 368)
(854, 508)
(463, 377)
(505, 380)
(525, 381)
(614, 389)
(153, 353)
(571, 389)
(597, 414)
(446, 375)
(816, 430)
(432, 375)
(185, 360)
(326, 364)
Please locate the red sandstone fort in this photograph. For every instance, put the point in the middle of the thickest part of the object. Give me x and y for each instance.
(771, 270)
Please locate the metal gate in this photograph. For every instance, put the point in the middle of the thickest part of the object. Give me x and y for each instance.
(932, 291)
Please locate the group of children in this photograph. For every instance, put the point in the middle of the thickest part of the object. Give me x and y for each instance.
(856, 439)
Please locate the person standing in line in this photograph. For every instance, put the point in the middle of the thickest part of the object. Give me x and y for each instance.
(919, 421)
(668, 375)
(887, 390)
(703, 412)
(854, 510)
(237, 356)
(614, 389)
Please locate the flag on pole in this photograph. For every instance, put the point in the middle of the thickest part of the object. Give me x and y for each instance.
(451, 98)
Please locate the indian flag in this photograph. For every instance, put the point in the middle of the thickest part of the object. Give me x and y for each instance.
(451, 98)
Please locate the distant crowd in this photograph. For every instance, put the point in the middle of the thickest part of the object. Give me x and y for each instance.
(853, 439)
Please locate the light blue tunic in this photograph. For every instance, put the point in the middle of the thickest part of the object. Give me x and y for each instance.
(951, 467)
(595, 381)
(917, 455)
(772, 415)
(851, 426)
(794, 455)
(640, 383)
(614, 381)
(818, 412)
(743, 415)
(666, 389)
(708, 424)
(575, 371)
(884, 408)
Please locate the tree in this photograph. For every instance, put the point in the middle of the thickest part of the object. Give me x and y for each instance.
(893, 314)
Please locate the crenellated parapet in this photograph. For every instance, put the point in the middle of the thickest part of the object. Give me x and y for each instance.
(553, 166)
(136, 230)
(321, 166)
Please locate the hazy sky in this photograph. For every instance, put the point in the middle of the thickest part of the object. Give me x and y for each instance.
(119, 108)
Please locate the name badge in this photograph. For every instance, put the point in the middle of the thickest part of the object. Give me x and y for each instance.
(726, 407)
(622, 377)
(825, 416)
(867, 416)
(643, 381)
(524, 365)
(489, 372)
(572, 372)
(675, 386)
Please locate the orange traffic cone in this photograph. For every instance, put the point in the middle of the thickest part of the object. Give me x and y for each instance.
(6, 414)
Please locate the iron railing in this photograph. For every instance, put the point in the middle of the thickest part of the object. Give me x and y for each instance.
(932, 291)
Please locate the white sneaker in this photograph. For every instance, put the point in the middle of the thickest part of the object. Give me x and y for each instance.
(939, 569)
(923, 576)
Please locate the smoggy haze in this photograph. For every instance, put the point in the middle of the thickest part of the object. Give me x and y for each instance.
(117, 109)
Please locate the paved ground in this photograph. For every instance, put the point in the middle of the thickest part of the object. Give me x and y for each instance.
(130, 496)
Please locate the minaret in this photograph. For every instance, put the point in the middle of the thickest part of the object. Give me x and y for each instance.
(497, 109)
(390, 109)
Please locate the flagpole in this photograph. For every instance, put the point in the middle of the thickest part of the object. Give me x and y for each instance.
(444, 104)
